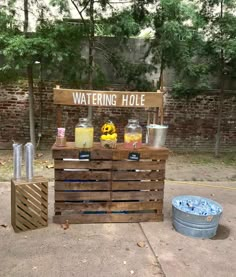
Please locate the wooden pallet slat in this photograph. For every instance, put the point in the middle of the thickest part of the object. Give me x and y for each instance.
(82, 175)
(98, 185)
(109, 206)
(61, 164)
(105, 218)
(141, 175)
(20, 227)
(137, 195)
(143, 165)
(77, 196)
(134, 185)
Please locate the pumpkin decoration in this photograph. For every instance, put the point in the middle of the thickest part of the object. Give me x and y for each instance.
(109, 135)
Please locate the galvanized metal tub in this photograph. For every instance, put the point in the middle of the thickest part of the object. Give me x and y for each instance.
(156, 135)
(198, 226)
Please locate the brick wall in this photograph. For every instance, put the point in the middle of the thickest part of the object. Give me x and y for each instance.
(192, 124)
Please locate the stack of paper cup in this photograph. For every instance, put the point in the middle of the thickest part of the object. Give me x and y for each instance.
(17, 159)
(29, 159)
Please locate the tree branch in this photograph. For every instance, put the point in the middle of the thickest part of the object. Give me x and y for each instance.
(80, 13)
(86, 5)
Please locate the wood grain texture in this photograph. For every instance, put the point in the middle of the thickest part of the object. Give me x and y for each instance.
(77, 196)
(102, 185)
(99, 153)
(61, 164)
(142, 175)
(135, 185)
(137, 195)
(109, 206)
(139, 99)
(105, 218)
(143, 165)
(82, 175)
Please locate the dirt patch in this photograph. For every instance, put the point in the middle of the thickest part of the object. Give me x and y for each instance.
(201, 167)
(42, 161)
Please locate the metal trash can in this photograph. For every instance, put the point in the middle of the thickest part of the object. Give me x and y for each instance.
(156, 135)
(194, 221)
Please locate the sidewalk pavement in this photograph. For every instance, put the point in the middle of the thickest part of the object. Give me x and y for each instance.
(102, 250)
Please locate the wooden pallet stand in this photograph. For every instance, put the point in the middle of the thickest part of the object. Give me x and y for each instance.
(109, 187)
(29, 204)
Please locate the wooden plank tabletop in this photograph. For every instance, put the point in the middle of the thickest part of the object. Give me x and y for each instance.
(120, 147)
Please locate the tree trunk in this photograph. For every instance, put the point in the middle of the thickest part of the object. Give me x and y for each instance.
(26, 15)
(222, 90)
(91, 53)
(31, 103)
(161, 75)
(219, 121)
(30, 78)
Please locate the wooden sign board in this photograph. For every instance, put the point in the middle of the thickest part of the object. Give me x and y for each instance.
(107, 98)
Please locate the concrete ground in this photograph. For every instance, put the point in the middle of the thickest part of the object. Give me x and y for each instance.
(104, 250)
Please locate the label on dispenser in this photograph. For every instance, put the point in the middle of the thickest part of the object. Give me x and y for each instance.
(84, 155)
(134, 156)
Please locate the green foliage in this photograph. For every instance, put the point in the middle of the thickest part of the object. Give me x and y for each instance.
(173, 36)
(65, 60)
(120, 24)
(56, 45)
(8, 28)
(177, 40)
(219, 31)
(134, 74)
(192, 41)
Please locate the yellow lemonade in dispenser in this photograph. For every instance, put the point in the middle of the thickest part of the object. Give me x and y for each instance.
(133, 140)
(83, 137)
(84, 134)
(133, 135)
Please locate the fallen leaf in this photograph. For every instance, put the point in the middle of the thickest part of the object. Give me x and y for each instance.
(66, 225)
(2, 163)
(141, 244)
(39, 155)
(4, 225)
(50, 166)
(186, 264)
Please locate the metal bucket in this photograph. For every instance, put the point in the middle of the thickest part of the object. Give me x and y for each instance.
(156, 135)
(192, 225)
